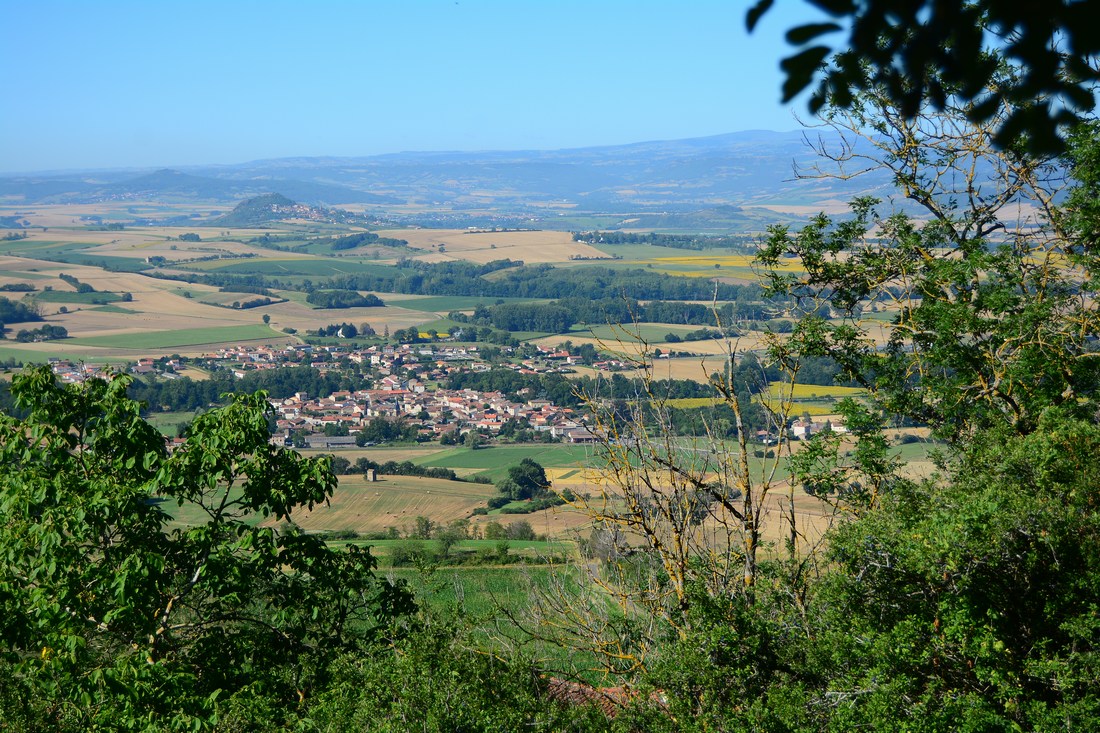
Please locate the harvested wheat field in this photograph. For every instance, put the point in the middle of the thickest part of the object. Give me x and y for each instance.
(812, 515)
(478, 246)
(393, 501)
(157, 243)
(301, 317)
(379, 455)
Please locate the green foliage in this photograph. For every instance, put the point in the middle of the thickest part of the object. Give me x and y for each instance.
(855, 477)
(975, 602)
(381, 430)
(342, 299)
(561, 315)
(526, 480)
(112, 619)
(926, 53)
(82, 297)
(432, 681)
(1082, 210)
(186, 394)
(49, 332)
(362, 239)
(984, 333)
(966, 603)
(14, 311)
(341, 330)
(77, 285)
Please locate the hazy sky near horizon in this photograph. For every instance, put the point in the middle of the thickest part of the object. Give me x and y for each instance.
(156, 83)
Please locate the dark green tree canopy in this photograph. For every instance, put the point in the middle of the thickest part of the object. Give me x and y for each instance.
(525, 480)
(928, 51)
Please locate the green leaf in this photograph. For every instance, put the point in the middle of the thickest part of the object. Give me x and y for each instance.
(800, 70)
(756, 12)
(805, 33)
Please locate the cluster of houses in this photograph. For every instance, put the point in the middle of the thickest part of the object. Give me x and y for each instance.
(402, 379)
(69, 372)
(437, 412)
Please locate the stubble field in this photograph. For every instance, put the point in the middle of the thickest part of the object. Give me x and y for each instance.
(482, 246)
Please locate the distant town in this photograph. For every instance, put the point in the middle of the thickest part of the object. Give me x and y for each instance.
(404, 378)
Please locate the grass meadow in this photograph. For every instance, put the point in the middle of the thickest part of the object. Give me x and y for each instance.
(57, 349)
(488, 598)
(612, 334)
(168, 422)
(181, 337)
(61, 296)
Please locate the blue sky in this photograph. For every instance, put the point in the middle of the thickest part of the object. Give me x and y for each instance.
(165, 83)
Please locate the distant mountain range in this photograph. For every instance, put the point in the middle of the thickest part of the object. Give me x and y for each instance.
(652, 178)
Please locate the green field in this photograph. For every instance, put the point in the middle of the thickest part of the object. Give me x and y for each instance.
(72, 253)
(168, 422)
(188, 514)
(115, 309)
(912, 452)
(25, 275)
(62, 296)
(475, 590)
(182, 337)
(813, 391)
(493, 462)
(294, 296)
(57, 349)
(652, 333)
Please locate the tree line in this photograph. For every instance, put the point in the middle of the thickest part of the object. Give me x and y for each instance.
(744, 303)
(739, 242)
(343, 299)
(186, 394)
(517, 280)
(361, 239)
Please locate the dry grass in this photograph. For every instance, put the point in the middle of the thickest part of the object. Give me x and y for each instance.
(148, 244)
(812, 516)
(381, 455)
(302, 317)
(154, 308)
(533, 246)
(393, 501)
(159, 306)
(68, 215)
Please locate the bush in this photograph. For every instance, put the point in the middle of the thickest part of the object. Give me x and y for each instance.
(409, 552)
(521, 530)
